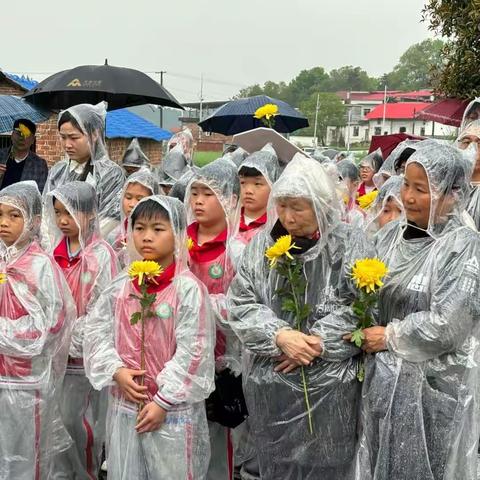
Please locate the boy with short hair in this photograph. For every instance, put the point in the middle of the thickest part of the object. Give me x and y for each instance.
(160, 368)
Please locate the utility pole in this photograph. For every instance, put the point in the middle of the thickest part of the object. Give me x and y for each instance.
(384, 109)
(201, 97)
(161, 72)
(316, 121)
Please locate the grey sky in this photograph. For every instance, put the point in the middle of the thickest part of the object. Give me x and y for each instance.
(234, 43)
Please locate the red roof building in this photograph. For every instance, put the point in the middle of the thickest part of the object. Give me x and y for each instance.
(397, 111)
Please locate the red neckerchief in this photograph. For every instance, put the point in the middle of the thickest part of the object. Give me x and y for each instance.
(160, 281)
(208, 251)
(61, 255)
(259, 222)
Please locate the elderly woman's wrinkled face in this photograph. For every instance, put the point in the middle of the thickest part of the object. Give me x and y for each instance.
(415, 194)
(297, 216)
(472, 141)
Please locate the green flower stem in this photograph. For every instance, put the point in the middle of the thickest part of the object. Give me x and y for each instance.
(298, 325)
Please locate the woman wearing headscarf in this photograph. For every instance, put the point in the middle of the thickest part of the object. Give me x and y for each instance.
(82, 134)
(420, 397)
(303, 204)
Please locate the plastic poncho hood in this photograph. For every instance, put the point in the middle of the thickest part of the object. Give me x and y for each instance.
(266, 162)
(134, 156)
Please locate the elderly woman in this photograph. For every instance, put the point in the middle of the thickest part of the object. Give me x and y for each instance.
(420, 405)
(303, 204)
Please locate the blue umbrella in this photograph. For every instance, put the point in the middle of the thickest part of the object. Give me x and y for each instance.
(13, 108)
(236, 116)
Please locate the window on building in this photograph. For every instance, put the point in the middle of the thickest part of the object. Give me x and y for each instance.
(422, 131)
(356, 131)
(379, 121)
(403, 129)
(367, 111)
(378, 131)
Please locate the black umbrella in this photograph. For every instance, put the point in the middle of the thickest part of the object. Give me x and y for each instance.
(120, 87)
(236, 116)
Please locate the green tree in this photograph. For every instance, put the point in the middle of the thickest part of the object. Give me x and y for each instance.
(304, 84)
(331, 112)
(458, 75)
(250, 91)
(413, 71)
(351, 78)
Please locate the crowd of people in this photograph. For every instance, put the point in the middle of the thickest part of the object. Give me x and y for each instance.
(141, 318)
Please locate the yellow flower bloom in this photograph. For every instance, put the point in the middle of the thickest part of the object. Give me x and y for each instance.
(368, 274)
(3, 278)
(267, 111)
(365, 201)
(190, 243)
(24, 130)
(144, 268)
(281, 247)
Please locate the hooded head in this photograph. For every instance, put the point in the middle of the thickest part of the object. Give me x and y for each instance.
(184, 141)
(25, 198)
(80, 202)
(165, 209)
(395, 162)
(471, 113)
(265, 161)
(89, 120)
(134, 158)
(221, 177)
(306, 180)
(173, 166)
(436, 186)
(349, 174)
(141, 183)
(387, 205)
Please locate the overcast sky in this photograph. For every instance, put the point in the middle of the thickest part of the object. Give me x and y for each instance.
(234, 43)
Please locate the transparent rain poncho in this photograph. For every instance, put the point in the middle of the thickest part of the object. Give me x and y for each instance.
(349, 177)
(134, 156)
(420, 397)
(104, 175)
(276, 404)
(179, 367)
(36, 317)
(173, 166)
(373, 160)
(217, 273)
(184, 140)
(471, 113)
(237, 156)
(179, 188)
(393, 164)
(118, 236)
(384, 207)
(469, 142)
(265, 161)
(88, 272)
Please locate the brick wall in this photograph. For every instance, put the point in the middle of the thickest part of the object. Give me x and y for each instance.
(213, 142)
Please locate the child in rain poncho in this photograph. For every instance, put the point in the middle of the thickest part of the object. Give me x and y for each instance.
(134, 159)
(82, 133)
(138, 185)
(349, 177)
(369, 166)
(258, 172)
(212, 200)
(89, 265)
(387, 207)
(36, 316)
(304, 202)
(168, 438)
(420, 400)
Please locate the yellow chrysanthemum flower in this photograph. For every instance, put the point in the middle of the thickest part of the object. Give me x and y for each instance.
(190, 243)
(267, 111)
(24, 130)
(3, 278)
(368, 274)
(144, 269)
(281, 247)
(365, 201)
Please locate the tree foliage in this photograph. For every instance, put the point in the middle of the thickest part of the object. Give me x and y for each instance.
(458, 75)
(414, 69)
(331, 112)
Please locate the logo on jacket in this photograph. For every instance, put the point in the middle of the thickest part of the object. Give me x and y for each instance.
(216, 271)
(418, 283)
(164, 311)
